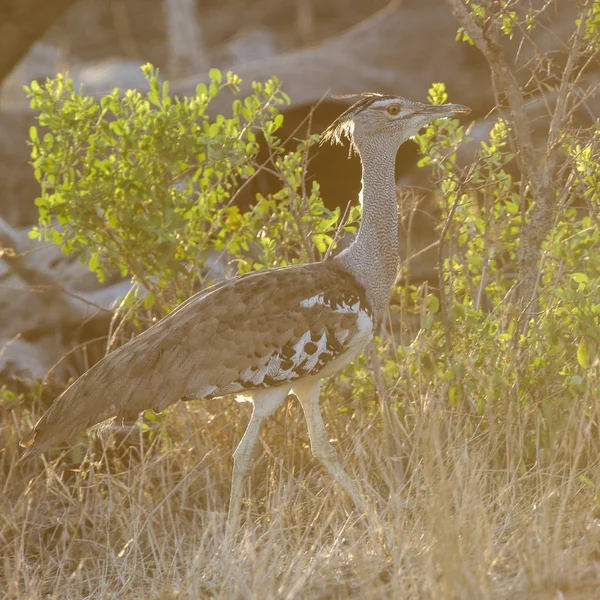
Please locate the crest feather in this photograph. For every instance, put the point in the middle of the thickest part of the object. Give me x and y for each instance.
(343, 126)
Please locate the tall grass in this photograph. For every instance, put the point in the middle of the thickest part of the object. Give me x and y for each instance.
(452, 512)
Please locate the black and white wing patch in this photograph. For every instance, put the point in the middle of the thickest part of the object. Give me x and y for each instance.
(337, 326)
(270, 328)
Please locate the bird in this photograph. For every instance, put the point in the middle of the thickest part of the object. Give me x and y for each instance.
(265, 334)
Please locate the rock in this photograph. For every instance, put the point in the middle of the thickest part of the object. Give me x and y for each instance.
(24, 310)
(94, 30)
(19, 187)
(21, 24)
(101, 78)
(185, 39)
(356, 60)
(258, 43)
(43, 265)
(44, 297)
(42, 61)
(29, 360)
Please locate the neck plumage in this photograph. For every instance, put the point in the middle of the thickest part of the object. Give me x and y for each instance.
(373, 256)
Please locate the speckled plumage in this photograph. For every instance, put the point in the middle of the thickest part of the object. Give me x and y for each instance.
(219, 340)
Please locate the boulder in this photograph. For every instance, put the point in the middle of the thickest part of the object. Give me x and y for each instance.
(44, 297)
(30, 361)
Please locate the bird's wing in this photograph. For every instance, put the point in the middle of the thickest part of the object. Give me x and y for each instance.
(261, 330)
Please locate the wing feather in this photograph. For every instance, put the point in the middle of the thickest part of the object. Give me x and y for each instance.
(254, 331)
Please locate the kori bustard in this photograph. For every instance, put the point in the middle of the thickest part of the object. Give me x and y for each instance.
(267, 333)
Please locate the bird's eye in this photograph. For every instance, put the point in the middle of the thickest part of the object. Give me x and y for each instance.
(393, 109)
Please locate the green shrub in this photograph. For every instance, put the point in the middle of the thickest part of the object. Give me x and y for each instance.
(146, 183)
(480, 348)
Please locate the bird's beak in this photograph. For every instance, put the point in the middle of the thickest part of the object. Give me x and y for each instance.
(445, 110)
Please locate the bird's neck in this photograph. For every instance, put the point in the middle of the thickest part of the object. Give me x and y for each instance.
(373, 257)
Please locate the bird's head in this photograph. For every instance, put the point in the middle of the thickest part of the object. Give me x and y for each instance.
(391, 120)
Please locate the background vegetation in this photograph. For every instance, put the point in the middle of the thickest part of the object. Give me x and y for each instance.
(471, 425)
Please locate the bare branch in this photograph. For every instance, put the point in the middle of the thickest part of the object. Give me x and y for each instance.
(537, 174)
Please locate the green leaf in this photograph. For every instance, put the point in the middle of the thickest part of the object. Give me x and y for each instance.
(149, 300)
(56, 236)
(201, 90)
(428, 321)
(94, 262)
(150, 416)
(434, 304)
(215, 75)
(580, 277)
(117, 127)
(582, 355)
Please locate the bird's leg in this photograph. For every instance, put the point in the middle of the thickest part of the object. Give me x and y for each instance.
(242, 461)
(265, 402)
(308, 394)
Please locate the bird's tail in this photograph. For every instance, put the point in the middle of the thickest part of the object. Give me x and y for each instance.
(74, 410)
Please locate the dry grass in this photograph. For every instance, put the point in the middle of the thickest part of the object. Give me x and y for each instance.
(453, 512)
